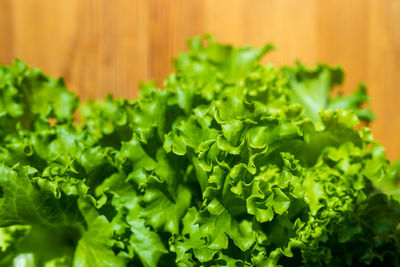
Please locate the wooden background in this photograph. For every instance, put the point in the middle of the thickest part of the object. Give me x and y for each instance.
(104, 46)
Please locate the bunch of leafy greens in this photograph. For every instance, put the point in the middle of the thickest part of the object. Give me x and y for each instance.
(233, 163)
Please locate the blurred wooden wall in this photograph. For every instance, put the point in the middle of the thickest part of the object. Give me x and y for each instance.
(103, 46)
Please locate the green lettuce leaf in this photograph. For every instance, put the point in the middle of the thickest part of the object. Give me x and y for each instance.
(232, 163)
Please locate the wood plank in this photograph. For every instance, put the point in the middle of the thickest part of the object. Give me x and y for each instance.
(43, 33)
(171, 23)
(383, 72)
(342, 38)
(6, 32)
(110, 46)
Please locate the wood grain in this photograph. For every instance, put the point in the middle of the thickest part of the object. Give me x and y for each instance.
(103, 48)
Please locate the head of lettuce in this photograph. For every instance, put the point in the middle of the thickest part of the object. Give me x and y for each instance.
(232, 163)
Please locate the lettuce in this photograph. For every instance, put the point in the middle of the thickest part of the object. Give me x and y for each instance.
(233, 163)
